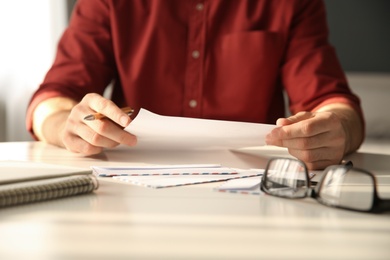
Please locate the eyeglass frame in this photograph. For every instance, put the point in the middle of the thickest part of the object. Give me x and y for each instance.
(379, 205)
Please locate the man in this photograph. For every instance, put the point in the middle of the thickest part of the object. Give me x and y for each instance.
(218, 59)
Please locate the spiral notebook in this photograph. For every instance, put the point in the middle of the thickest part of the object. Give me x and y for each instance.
(26, 182)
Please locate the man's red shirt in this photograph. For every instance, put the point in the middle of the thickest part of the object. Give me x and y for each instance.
(213, 59)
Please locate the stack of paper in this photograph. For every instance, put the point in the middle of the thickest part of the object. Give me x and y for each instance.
(165, 176)
(157, 132)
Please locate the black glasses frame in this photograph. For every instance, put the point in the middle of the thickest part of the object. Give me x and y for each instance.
(379, 205)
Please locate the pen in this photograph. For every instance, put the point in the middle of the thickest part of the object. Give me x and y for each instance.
(128, 110)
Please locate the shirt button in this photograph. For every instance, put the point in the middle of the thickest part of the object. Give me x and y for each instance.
(193, 103)
(195, 54)
(199, 6)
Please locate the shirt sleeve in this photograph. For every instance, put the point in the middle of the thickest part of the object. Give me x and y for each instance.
(84, 61)
(311, 73)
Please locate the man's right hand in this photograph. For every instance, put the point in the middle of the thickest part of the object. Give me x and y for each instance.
(67, 128)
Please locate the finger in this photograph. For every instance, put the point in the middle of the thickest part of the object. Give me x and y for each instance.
(99, 133)
(318, 158)
(109, 130)
(77, 128)
(294, 118)
(76, 144)
(108, 108)
(327, 139)
(94, 138)
(319, 165)
(306, 128)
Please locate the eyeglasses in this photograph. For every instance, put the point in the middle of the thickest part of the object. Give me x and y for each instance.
(341, 186)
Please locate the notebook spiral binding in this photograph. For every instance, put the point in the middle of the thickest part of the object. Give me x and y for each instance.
(41, 190)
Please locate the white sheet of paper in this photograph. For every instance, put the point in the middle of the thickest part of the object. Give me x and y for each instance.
(241, 184)
(162, 170)
(175, 181)
(156, 131)
(250, 185)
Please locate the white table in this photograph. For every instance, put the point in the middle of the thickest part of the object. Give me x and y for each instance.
(122, 221)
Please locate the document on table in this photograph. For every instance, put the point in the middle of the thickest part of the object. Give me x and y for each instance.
(250, 185)
(167, 132)
(163, 176)
(156, 170)
(166, 181)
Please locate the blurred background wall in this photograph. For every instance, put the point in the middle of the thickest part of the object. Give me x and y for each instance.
(359, 29)
(29, 33)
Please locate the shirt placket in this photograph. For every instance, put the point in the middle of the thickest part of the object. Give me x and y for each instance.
(195, 57)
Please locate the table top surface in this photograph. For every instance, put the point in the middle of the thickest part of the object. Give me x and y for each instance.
(191, 222)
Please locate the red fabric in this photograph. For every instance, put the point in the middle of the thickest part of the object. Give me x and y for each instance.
(249, 51)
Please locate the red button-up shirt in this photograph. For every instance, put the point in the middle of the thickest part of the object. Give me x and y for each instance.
(214, 59)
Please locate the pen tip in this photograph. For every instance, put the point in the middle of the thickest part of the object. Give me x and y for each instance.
(89, 117)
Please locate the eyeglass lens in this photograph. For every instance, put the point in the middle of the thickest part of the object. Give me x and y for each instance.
(286, 178)
(352, 189)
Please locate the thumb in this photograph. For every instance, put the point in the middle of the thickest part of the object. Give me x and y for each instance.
(300, 116)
